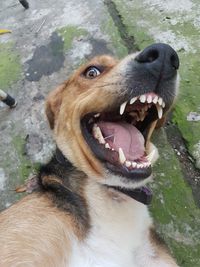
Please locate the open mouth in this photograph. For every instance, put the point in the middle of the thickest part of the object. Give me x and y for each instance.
(120, 137)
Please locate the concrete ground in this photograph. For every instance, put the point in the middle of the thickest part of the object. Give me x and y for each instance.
(49, 40)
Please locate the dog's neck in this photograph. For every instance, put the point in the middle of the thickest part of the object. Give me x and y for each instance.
(141, 194)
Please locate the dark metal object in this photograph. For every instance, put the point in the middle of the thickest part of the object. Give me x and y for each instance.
(24, 3)
(7, 99)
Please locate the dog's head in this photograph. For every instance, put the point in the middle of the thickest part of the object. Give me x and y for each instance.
(103, 116)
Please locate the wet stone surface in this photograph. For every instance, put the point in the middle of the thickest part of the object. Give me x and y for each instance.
(46, 59)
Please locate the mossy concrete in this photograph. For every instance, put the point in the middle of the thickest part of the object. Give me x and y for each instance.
(111, 30)
(69, 33)
(25, 167)
(10, 68)
(173, 208)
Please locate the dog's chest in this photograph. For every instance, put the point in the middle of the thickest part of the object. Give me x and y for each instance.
(117, 231)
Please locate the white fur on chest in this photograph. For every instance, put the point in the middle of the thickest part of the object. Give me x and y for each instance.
(118, 229)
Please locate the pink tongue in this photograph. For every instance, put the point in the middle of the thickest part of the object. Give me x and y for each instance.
(123, 135)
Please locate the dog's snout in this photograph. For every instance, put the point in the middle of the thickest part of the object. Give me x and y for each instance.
(159, 59)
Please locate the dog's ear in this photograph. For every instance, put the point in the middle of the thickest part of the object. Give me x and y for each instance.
(53, 104)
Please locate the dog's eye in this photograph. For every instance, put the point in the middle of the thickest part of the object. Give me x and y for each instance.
(92, 72)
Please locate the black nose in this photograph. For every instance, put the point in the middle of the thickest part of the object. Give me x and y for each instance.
(161, 60)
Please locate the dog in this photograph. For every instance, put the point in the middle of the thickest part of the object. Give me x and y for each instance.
(90, 207)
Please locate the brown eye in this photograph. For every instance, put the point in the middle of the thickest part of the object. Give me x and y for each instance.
(92, 72)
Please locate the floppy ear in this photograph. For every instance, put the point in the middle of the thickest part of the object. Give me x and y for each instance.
(53, 104)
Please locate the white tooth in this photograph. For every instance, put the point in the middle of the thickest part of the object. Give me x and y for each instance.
(150, 157)
(139, 165)
(142, 98)
(128, 164)
(160, 101)
(149, 99)
(163, 104)
(160, 111)
(98, 135)
(148, 164)
(122, 108)
(107, 145)
(97, 115)
(134, 164)
(122, 157)
(155, 100)
(133, 100)
(144, 165)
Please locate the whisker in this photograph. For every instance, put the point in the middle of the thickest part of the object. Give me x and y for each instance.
(109, 136)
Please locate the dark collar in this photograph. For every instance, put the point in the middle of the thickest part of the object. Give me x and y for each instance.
(142, 194)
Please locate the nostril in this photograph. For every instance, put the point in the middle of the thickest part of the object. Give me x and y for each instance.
(152, 55)
(148, 56)
(174, 61)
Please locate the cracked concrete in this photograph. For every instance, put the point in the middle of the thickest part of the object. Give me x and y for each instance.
(49, 40)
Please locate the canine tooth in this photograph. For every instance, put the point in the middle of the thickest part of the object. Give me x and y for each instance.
(150, 157)
(134, 164)
(128, 164)
(133, 100)
(122, 157)
(163, 104)
(149, 99)
(98, 135)
(142, 98)
(160, 111)
(155, 100)
(107, 145)
(122, 108)
(160, 101)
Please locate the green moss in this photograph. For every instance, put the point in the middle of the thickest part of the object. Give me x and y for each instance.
(68, 34)
(10, 67)
(188, 100)
(25, 167)
(131, 14)
(111, 30)
(173, 207)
